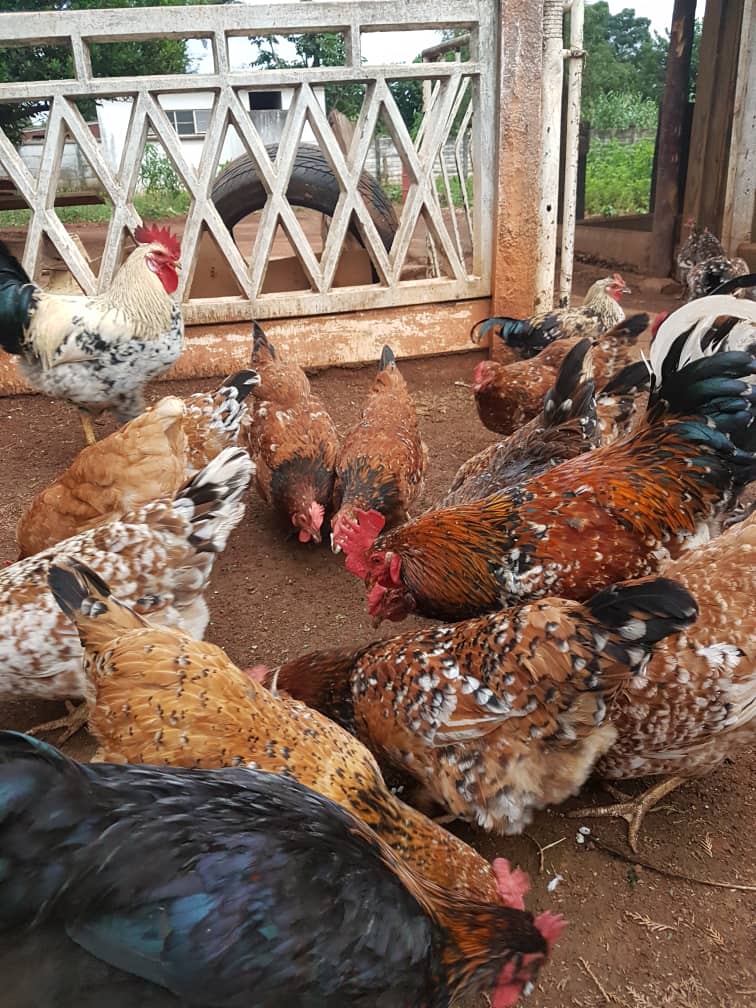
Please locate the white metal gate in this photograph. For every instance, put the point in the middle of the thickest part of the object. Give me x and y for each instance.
(460, 113)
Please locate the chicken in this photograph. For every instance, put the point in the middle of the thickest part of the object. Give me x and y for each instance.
(525, 338)
(292, 441)
(97, 352)
(158, 887)
(706, 277)
(700, 245)
(150, 457)
(159, 558)
(159, 696)
(622, 402)
(382, 458)
(505, 714)
(694, 705)
(509, 395)
(566, 427)
(612, 514)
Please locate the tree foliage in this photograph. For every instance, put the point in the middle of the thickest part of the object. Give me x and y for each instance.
(48, 62)
(625, 57)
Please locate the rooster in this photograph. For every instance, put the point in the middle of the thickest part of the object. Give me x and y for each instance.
(292, 441)
(605, 516)
(150, 457)
(158, 557)
(97, 352)
(525, 338)
(505, 714)
(160, 887)
(159, 696)
(509, 395)
(567, 426)
(382, 459)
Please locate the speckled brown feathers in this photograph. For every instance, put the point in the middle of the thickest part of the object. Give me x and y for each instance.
(164, 698)
(382, 459)
(695, 703)
(212, 420)
(292, 441)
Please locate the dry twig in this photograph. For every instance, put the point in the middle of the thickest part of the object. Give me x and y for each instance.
(667, 872)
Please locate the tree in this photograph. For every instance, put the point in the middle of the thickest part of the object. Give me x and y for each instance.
(47, 62)
(327, 49)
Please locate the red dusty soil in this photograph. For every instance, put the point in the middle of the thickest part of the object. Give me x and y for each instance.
(638, 938)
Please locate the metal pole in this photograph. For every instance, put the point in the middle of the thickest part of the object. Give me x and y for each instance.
(575, 55)
(551, 105)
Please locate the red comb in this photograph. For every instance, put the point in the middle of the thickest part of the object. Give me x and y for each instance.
(618, 279)
(146, 234)
(512, 884)
(356, 538)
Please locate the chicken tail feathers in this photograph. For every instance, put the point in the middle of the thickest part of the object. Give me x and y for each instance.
(640, 614)
(86, 600)
(18, 298)
(238, 386)
(387, 359)
(573, 395)
(260, 342)
(214, 495)
(742, 282)
(629, 380)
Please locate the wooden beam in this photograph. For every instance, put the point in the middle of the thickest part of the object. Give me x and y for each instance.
(737, 226)
(712, 120)
(519, 171)
(671, 132)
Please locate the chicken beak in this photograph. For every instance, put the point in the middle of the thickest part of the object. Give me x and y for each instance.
(335, 548)
(376, 621)
(177, 266)
(626, 290)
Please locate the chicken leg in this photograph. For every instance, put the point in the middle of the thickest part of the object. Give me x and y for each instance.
(632, 810)
(73, 721)
(86, 423)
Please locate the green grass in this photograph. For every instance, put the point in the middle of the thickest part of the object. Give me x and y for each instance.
(618, 178)
(149, 205)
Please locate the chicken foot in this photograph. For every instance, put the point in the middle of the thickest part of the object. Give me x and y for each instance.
(632, 810)
(73, 721)
(86, 423)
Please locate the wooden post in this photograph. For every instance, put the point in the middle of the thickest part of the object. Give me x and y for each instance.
(518, 185)
(671, 129)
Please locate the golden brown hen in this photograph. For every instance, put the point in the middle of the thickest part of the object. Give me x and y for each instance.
(382, 458)
(160, 696)
(148, 458)
(292, 441)
(502, 715)
(608, 515)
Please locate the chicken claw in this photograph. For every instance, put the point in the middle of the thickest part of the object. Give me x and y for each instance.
(632, 810)
(74, 721)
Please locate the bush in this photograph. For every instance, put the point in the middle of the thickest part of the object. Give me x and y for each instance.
(618, 178)
(614, 110)
(157, 173)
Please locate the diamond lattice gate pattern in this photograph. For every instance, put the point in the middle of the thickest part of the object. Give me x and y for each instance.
(412, 201)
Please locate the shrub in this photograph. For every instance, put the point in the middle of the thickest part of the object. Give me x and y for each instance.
(618, 178)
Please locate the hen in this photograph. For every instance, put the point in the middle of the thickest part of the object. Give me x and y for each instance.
(694, 705)
(700, 245)
(159, 696)
(502, 715)
(159, 557)
(605, 516)
(150, 457)
(706, 277)
(566, 427)
(157, 887)
(526, 337)
(509, 395)
(292, 441)
(97, 352)
(382, 458)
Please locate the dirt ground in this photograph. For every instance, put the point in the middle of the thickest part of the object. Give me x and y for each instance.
(638, 937)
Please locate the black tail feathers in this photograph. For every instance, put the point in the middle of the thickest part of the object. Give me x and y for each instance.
(260, 340)
(72, 583)
(17, 299)
(387, 358)
(643, 613)
(243, 382)
(573, 394)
